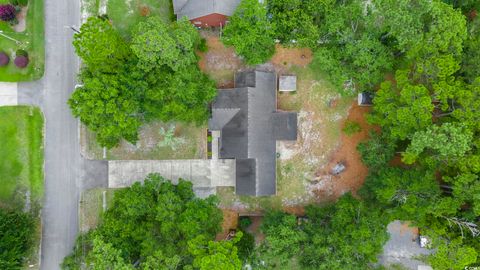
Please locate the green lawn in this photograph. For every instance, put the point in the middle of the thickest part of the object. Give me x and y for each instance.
(21, 169)
(125, 14)
(32, 40)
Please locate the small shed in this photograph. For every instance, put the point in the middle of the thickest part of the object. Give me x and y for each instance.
(365, 99)
(287, 83)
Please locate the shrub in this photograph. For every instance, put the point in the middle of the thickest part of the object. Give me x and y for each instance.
(23, 2)
(351, 128)
(246, 245)
(7, 13)
(244, 222)
(21, 52)
(202, 46)
(21, 61)
(4, 59)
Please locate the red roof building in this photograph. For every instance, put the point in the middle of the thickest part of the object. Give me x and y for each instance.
(205, 13)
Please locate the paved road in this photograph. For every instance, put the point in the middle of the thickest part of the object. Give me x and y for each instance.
(66, 173)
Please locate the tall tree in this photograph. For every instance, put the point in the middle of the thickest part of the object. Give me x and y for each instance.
(293, 22)
(211, 255)
(109, 105)
(377, 151)
(403, 108)
(250, 32)
(100, 46)
(159, 45)
(151, 224)
(446, 142)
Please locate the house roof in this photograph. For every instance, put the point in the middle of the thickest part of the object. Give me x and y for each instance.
(199, 8)
(251, 130)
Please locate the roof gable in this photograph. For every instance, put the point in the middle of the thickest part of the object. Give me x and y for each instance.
(199, 8)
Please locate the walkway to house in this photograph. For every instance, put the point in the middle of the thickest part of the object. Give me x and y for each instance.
(8, 94)
(205, 175)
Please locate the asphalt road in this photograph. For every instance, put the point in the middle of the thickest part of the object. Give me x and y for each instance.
(66, 173)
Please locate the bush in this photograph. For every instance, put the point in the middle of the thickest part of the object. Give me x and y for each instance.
(7, 13)
(244, 222)
(4, 59)
(21, 61)
(351, 128)
(21, 53)
(246, 245)
(17, 230)
(202, 46)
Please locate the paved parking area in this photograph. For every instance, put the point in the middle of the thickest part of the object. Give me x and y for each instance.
(8, 94)
(205, 175)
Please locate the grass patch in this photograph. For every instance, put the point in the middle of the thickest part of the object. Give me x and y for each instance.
(189, 143)
(351, 127)
(21, 169)
(32, 41)
(125, 14)
(91, 207)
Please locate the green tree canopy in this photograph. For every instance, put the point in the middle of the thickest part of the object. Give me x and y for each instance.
(16, 238)
(377, 151)
(211, 255)
(100, 46)
(403, 108)
(152, 224)
(109, 105)
(445, 142)
(157, 44)
(250, 32)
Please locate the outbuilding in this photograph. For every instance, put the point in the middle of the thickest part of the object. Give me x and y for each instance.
(287, 83)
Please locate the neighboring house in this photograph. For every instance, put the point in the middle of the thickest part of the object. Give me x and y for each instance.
(245, 125)
(205, 13)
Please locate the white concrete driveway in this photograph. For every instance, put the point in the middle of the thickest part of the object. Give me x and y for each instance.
(8, 94)
(205, 175)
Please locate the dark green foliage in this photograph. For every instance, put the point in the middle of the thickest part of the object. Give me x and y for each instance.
(250, 32)
(100, 46)
(246, 246)
(17, 231)
(293, 21)
(345, 235)
(156, 77)
(21, 53)
(471, 53)
(152, 223)
(377, 151)
(109, 105)
(351, 127)
(202, 46)
(244, 222)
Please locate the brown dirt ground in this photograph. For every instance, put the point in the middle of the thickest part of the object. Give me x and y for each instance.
(356, 172)
(285, 58)
(219, 62)
(230, 222)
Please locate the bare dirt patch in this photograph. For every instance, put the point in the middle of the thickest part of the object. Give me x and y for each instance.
(230, 222)
(219, 62)
(187, 142)
(330, 187)
(285, 58)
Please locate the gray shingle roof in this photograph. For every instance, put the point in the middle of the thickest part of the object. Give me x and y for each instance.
(250, 135)
(198, 8)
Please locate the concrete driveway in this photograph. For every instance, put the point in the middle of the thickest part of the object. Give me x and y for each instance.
(8, 94)
(205, 175)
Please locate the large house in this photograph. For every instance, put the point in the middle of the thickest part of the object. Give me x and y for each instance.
(205, 13)
(246, 125)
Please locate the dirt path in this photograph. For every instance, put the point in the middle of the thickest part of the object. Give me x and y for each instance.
(331, 187)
